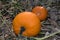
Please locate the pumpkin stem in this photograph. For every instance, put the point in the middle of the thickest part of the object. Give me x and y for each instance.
(22, 30)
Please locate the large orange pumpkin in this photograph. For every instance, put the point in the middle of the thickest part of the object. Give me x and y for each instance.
(40, 11)
(29, 21)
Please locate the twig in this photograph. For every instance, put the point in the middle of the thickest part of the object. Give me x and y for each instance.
(3, 22)
(47, 36)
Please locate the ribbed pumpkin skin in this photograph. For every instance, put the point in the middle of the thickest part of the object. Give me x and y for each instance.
(41, 12)
(30, 22)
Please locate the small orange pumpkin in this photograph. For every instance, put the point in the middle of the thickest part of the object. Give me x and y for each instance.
(29, 21)
(41, 12)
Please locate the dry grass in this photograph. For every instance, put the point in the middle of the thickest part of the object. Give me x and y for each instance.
(50, 27)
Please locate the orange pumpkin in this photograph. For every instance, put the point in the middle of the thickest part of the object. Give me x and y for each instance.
(29, 21)
(41, 12)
